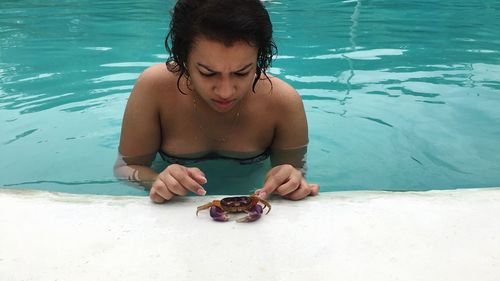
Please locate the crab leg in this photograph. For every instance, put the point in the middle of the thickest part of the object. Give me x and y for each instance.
(203, 207)
(266, 204)
(252, 215)
(218, 214)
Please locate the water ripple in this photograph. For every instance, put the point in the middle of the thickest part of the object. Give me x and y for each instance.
(311, 79)
(376, 120)
(22, 135)
(374, 54)
(116, 77)
(128, 64)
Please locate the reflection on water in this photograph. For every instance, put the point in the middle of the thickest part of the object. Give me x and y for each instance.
(399, 94)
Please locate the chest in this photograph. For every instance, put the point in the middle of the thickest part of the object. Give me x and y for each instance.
(189, 133)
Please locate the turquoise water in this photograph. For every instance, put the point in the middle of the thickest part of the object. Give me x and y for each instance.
(400, 95)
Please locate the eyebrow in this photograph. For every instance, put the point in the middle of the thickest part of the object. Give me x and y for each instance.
(239, 70)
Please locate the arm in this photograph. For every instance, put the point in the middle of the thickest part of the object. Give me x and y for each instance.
(140, 134)
(141, 139)
(289, 148)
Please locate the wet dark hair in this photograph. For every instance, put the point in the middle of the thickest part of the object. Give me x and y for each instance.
(225, 21)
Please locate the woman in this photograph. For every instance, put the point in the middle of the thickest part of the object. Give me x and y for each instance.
(213, 98)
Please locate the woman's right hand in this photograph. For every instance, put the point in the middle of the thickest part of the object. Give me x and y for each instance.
(177, 180)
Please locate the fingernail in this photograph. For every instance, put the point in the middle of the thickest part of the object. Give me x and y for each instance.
(201, 191)
(262, 194)
(204, 179)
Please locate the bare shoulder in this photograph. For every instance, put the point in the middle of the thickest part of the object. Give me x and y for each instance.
(157, 72)
(281, 95)
(156, 79)
(286, 111)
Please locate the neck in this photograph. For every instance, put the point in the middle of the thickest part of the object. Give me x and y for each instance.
(217, 126)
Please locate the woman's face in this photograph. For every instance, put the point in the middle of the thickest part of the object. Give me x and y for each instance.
(222, 75)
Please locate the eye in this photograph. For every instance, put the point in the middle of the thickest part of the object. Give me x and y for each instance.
(239, 74)
(209, 74)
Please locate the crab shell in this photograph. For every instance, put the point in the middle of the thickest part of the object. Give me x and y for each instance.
(236, 204)
(241, 203)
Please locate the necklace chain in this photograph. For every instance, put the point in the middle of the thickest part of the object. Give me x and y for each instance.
(206, 134)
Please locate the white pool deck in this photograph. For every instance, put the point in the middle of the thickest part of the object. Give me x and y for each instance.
(436, 235)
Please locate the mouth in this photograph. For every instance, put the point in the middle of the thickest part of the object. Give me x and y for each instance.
(224, 104)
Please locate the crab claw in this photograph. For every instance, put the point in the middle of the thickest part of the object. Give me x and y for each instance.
(218, 214)
(252, 215)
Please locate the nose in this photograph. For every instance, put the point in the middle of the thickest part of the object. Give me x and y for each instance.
(225, 88)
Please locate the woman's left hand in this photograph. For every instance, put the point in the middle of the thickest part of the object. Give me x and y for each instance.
(288, 182)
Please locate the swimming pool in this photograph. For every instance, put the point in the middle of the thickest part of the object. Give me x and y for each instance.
(400, 95)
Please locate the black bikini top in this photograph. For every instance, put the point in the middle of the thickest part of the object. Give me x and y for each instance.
(213, 156)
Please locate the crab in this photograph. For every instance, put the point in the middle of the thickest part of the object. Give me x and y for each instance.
(220, 209)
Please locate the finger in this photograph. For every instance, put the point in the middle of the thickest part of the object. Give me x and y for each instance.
(259, 191)
(159, 192)
(197, 175)
(279, 170)
(295, 179)
(162, 191)
(314, 189)
(183, 181)
(303, 191)
(156, 198)
(288, 187)
(276, 177)
(173, 185)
